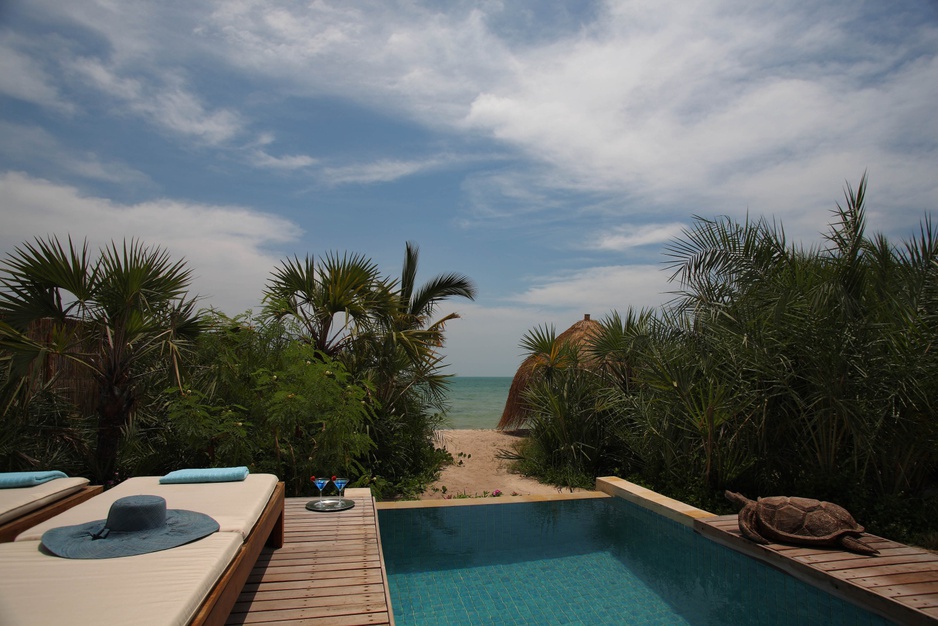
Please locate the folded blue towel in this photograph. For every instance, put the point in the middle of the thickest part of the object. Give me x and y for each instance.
(9, 480)
(205, 475)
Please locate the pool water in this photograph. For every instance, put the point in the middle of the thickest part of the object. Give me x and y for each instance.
(594, 561)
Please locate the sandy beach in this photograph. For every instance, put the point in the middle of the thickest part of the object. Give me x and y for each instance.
(476, 468)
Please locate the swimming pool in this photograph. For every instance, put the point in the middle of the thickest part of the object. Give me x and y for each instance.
(589, 561)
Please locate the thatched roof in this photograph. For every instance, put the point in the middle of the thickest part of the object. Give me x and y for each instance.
(516, 414)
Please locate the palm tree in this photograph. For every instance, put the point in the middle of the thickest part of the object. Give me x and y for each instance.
(109, 316)
(410, 323)
(417, 305)
(388, 339)
(408, 326)
(399, 357)
(314, 295)
(376, 310)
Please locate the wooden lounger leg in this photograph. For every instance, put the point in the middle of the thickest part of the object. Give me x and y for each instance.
(276, 538)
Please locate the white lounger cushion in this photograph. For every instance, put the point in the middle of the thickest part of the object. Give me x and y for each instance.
(165, 588)
(236, 506)
(15, 503)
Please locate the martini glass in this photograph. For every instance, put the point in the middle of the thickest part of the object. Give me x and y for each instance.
(340, 485)
(320, 485)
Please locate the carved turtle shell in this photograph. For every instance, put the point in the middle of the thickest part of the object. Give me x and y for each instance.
(805, 520)
(799, 520)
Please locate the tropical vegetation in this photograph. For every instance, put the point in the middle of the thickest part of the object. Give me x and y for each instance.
(109, 369)
(103, 329)
(777, 370)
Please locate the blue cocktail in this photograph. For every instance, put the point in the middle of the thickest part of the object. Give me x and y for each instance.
(320, 485)
(330, 504)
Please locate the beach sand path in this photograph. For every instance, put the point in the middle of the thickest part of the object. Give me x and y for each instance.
(476, 468)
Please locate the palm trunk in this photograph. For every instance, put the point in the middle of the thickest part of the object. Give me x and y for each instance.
(115, 406)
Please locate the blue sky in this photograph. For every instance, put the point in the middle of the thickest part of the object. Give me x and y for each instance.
(547, 150)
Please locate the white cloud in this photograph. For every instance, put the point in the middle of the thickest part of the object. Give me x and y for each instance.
(23, 77)
(630, 236)
(676, 105)
(168, 103)
(678, 111)
(600, 290)
(416, 60)
(261, 158)
(673, 104)
(382, 171)
(484, 341)
(230, 249)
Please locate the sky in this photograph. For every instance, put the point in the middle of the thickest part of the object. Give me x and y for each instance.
(548, 150)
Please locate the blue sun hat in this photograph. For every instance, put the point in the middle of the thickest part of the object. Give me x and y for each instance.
(134, 525)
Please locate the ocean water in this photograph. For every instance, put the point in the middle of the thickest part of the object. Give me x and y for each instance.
(476, 402)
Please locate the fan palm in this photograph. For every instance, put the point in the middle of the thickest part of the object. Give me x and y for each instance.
(108, 316)
(315, 295)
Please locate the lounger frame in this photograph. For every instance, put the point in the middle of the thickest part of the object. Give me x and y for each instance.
(267, 531)
(12, 528)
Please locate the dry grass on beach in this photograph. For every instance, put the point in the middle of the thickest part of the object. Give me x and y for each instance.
(477, 469)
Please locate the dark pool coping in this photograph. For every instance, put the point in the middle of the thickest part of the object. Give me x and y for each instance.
(429, 504)
(606, 487)
(646, 498)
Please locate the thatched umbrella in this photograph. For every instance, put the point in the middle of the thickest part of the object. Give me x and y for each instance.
(516, 413)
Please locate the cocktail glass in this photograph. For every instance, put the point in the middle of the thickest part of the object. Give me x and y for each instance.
(340, 485)
(320, 485)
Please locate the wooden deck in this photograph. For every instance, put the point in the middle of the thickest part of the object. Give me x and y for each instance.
(329, 570)
(900, 584)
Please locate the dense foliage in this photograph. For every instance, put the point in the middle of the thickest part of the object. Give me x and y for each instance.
(109, 372)
(778, 370)
(100, 330)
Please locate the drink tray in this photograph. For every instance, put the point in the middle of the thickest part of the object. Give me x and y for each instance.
(329, 505)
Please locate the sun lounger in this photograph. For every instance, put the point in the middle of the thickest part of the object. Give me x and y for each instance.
(236, 506)
(197, 583)
(24, 507)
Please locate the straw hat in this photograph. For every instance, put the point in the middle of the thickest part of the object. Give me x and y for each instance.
(134, 525)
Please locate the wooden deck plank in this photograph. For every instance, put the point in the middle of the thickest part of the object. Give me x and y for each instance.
(900, 584)
(307, 586)
(371, 577)
(299, 611)
(329, 571)
(361, 619)
(345, 590)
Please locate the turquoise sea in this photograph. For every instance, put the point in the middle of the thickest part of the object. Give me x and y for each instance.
(476, 401)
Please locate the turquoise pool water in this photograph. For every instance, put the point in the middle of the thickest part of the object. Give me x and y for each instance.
(596, 561)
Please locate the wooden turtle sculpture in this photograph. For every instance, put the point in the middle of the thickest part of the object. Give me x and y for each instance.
(803, 521)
